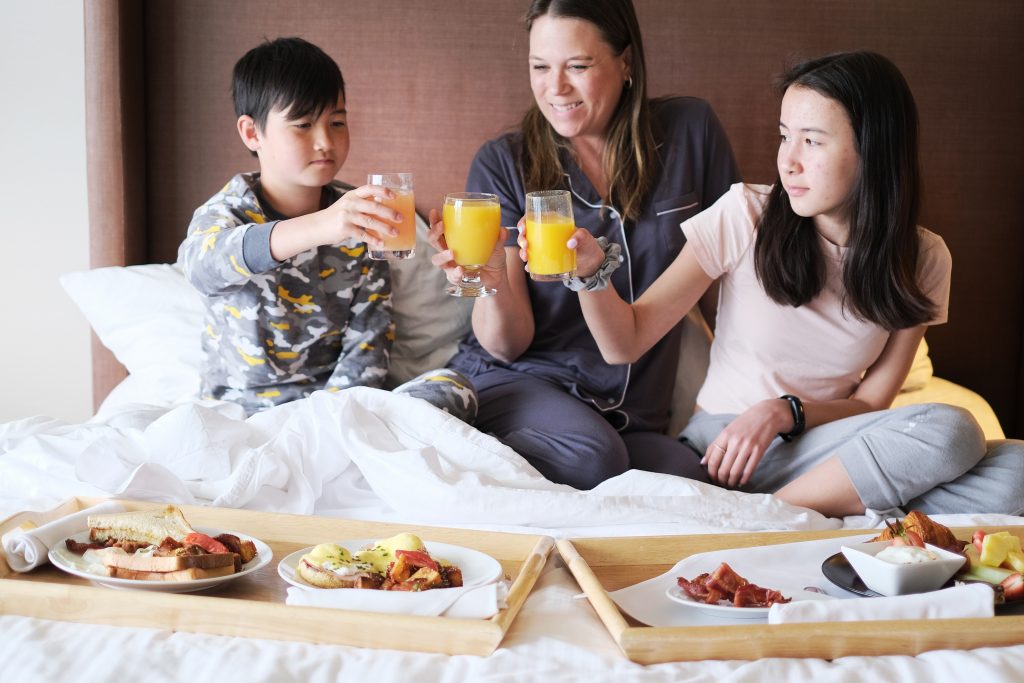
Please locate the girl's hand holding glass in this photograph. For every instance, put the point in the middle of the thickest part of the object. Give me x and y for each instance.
(588, 253)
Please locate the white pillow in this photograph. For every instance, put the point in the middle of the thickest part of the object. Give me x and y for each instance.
(151, 318)
(146, 315)
(428, 323)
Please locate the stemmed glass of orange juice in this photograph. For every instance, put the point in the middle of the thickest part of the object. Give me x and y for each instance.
(549, 225)
(472, 221)
(402, 245)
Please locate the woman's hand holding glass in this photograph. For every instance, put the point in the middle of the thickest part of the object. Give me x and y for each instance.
(468, 279)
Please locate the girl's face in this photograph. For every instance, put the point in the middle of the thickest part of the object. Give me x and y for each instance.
(818, 159)
(576, 79)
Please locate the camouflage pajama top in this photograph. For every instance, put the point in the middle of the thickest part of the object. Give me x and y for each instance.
(276, 331)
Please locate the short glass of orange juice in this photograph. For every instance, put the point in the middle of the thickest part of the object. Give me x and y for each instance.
(402, 245)
(549, 225)
(472, 222)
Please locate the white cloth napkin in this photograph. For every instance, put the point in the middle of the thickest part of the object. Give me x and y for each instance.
(27, 549)
(475, 602)
(960, 602)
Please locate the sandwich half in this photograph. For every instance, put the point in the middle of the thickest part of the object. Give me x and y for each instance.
(146, 526)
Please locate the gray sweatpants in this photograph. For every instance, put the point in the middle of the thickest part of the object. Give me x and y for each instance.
(929, 457)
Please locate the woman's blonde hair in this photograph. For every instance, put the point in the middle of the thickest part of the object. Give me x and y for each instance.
(630, 158)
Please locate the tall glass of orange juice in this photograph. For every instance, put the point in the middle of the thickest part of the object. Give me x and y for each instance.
(472, 221)
(402, 245)
(549, 225)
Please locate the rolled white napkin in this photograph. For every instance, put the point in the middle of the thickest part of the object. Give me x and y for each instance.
(27, 549)
(959, 602)
(475, 602)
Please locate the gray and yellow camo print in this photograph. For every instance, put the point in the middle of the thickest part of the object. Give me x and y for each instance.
(320, 320)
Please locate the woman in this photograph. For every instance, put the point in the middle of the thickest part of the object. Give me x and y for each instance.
(827, 285)
(635, 168)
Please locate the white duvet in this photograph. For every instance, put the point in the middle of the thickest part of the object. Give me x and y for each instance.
(361, 453)
(369, 454)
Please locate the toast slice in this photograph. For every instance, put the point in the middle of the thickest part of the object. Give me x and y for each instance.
(119, 559)
(320, 577)
(148, 526)
(189, 574)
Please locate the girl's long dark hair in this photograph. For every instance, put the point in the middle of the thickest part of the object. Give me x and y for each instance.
(880, 267)
(631, 162)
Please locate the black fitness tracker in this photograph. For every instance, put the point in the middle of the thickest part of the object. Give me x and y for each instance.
(797, 406)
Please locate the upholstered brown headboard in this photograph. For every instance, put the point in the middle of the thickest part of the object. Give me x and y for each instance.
(428, 82)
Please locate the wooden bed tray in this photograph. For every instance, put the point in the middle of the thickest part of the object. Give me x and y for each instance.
(601, 565)
(253, 606)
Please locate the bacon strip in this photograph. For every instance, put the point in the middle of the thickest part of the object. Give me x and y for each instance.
(726, 584)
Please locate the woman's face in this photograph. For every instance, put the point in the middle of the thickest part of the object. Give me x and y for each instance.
(818, 159)
(575, 77)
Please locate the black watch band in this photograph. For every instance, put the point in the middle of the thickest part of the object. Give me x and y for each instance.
(799, 422)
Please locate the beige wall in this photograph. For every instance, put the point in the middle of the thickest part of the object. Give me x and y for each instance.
(44, 340)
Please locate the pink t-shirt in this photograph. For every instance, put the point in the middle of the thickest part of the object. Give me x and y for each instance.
(763, 349)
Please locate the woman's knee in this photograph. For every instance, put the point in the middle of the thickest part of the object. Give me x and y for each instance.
(581, 459)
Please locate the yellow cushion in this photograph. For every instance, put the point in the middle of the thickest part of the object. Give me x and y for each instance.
(920, 370)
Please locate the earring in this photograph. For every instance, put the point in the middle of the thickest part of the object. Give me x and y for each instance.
(629, 81)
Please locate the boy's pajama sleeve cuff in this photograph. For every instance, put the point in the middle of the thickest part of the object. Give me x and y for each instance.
(256, 247)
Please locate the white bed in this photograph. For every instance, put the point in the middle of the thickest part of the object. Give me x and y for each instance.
(404, 462)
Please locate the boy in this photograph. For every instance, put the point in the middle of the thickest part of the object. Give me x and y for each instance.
(293, 302)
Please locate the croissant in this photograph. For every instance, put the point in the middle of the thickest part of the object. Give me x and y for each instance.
(929, 531)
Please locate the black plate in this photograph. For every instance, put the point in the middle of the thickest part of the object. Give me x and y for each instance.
(839, 571)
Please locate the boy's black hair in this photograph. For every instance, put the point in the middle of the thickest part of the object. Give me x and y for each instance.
(290, 74)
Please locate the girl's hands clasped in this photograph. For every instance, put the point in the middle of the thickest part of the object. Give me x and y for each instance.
(735, 453)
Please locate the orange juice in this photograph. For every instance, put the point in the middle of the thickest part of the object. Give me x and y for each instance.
(471, 229)
(405, 204)
(546, 253)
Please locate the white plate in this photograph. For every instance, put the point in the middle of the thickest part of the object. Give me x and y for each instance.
(64, 559)
(477, 568)
(731, 612)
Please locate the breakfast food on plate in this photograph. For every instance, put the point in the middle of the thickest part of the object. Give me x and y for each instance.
(917, 529)
(996, 559)
(146, 526)
(159, 545)
(725, 585)
(398, 563)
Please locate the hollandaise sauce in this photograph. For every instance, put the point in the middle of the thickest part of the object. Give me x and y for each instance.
(382, 553)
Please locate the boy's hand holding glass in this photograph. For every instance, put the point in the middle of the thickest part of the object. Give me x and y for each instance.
(401, 244)
(358, 216)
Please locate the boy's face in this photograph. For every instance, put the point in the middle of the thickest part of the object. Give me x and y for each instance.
(304, 152)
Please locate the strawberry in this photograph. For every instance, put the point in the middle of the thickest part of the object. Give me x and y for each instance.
(978, 538)
(1013, 587)
(902, 535)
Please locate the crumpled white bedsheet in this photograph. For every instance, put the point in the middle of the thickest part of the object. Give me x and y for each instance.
(361, 453)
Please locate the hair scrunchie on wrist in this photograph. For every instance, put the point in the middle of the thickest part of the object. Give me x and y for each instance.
(603, 275)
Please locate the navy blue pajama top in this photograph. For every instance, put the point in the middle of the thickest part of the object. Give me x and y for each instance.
(697, 167)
